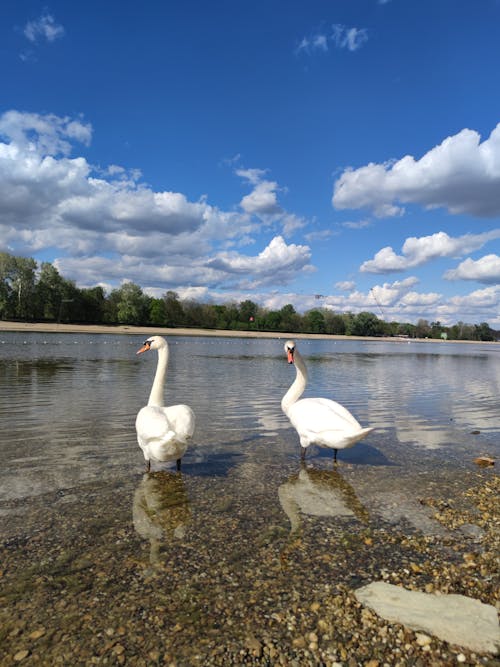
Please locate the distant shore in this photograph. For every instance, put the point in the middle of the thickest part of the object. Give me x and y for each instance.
(52, 327)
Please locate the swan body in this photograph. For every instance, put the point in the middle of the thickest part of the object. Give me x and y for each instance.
(163, 433)
(318, 421)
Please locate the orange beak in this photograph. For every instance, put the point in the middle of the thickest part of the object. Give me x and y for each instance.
(289, 354)
(144, 348)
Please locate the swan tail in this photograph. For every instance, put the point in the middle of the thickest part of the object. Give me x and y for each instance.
(353, 438)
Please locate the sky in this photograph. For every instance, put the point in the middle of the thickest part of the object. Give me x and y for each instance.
(342, 154)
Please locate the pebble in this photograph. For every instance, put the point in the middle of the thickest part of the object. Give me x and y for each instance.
(21, 655)
(213, 602)
(36, 634)
(422, 639)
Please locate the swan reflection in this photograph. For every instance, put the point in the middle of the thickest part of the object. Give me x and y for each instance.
(319, 493)
(161, 510)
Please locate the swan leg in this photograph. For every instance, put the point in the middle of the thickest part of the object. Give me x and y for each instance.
(148, 465)
(178, 462)
(335, 456)
(302, 453)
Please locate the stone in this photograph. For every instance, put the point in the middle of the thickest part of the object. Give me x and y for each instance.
(453, 618)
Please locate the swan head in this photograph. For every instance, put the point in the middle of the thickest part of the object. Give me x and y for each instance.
(290, 350)
(152, 343)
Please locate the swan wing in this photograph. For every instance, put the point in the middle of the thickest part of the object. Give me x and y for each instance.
(324, 422)
(156, 436)
(152, 423)
(322, 414)
(182, 420)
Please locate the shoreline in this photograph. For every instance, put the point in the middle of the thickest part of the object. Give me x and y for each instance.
(52, 327)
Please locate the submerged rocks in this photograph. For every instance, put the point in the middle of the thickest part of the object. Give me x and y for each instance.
(453, 618)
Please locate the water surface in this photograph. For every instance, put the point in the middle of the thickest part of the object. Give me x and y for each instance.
(79, 514)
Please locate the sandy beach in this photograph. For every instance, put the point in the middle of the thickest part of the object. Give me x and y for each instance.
(53, 327)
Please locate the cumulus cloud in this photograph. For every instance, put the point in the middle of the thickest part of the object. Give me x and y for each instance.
(263, 202)
(43, 27)
(485, 270)
(39, 135)
(418, 251)
(278, 263)
(390, 293)
(462, 174)
(107, 226)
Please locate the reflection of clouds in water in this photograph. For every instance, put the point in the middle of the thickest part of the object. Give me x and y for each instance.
(417, 431)
(322, 493)
(161, 510)
(432, 389)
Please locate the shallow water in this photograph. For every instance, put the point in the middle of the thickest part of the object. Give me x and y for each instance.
(68, 403)
(74, 500)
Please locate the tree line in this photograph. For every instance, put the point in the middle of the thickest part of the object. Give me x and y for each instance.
(32, 293)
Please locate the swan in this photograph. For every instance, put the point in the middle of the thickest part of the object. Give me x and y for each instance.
(162, 433)
(318, 421)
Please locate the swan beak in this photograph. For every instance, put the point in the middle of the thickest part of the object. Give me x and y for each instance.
(144, 348)
(289, 354)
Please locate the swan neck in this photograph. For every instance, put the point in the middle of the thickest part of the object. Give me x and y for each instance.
(156, 395)
(299, 384)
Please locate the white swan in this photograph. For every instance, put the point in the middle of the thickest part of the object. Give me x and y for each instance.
(163, 433)
(318, 421)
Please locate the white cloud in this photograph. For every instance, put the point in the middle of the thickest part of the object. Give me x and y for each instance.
(42, 135)
(399, 301)
(43, 27)
(418, 251)
(485, 270)
(348, 38)
(263, 202)
(461, 174)
(278, 263)
(340, 37)
(357, 224)
(390, 293)
(108, 226)
(319, 235)
(345, 285)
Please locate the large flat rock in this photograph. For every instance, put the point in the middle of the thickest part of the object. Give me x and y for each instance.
(453, 618)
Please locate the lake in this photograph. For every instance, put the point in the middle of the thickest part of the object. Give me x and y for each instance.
(168, 565)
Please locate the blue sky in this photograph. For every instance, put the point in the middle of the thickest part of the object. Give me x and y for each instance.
(334, 153)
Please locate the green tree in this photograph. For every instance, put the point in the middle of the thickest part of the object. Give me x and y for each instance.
(132, 306)
(7, 266)
(174, 311)
(290, 320)
(483, 332)
(93, 304)
(158, 312)
(366, 324)
(314, 322)
(334, 323)
(423, 329)
(49, 292)
(23, 287)
(248, 313)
